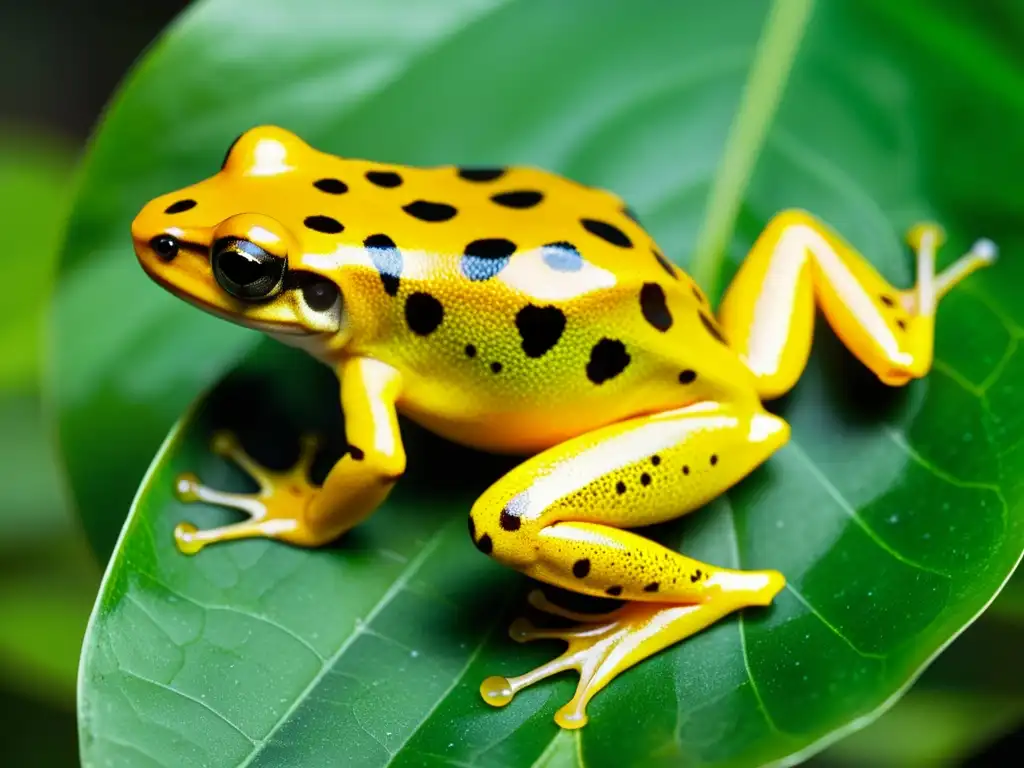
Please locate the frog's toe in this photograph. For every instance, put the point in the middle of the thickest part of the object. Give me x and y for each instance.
(602, 647)
(276, 510)
(590, 645)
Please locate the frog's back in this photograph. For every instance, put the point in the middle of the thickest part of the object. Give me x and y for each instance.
(521, 306)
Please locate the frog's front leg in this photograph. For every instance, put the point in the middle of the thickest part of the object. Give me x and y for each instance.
(291, 508)
(559, 518)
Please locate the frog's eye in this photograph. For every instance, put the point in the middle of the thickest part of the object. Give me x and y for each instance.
(320, 295)
(319, 301)
(245, 270)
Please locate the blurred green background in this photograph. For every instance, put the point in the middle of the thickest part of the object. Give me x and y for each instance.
(61, 61)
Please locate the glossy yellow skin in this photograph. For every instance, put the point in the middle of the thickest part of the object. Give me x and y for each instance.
(518, 311)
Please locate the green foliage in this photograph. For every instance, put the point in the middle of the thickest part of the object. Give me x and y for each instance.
(46, 581)
(895, 515)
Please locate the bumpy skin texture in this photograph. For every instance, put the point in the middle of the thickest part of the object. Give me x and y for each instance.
(515, 310)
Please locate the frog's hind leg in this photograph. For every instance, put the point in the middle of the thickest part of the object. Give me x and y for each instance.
(272, 521)
(768, 311)
(559, 517)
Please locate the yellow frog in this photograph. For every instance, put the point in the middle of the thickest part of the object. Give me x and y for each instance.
(516, 311)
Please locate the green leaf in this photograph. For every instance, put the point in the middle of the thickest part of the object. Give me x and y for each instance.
(895, 514)
(961, 704)
(46, 585)
(34, 172)
(32, 504)
(45, 599)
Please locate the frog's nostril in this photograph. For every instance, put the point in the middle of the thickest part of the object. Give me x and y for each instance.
(164, 246)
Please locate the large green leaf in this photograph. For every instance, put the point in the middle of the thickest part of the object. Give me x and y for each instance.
(895, 515)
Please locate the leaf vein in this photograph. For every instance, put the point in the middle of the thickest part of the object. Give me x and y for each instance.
(189, 697)
(406, 575)
(854, 515)
(831, 627)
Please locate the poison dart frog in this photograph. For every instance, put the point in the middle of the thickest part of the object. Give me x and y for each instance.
(517, 311)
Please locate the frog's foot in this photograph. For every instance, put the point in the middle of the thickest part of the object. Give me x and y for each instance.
(276, 510)
(603, 645)
(926, 238)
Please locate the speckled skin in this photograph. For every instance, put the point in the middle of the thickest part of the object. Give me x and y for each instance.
(515, 310)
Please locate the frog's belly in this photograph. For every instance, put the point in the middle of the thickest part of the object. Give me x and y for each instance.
(527, 430)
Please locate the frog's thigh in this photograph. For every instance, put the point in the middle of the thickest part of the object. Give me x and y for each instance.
(768, 311)
(558, 517)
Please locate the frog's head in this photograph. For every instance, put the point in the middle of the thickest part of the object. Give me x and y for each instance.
(235, 244)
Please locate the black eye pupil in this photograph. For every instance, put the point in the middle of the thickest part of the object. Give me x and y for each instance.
(241, 267)
(164, 246)
(245, 270)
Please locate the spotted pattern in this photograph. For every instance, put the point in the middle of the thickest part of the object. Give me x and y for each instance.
(485, 258)
(511, 516)
(581, 568)
(386, 179)
(687, 377)
(654, 586)
(484, 544)
(562, 257)
(481, 174)
(607, 232)
(608, 359)
(325, 224)
(387, 260)
(665, 263)
(423, 313)
(508, 521)
(654, 307)
(620, 487)
(614, 591)
(181, 206)
(519, 199)
(424, 210)
(712, 328)
(496, 367)
(645, 479)
(540, 328)
(331, 186)
(889, 301)
(696, 575)
(470, 351)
